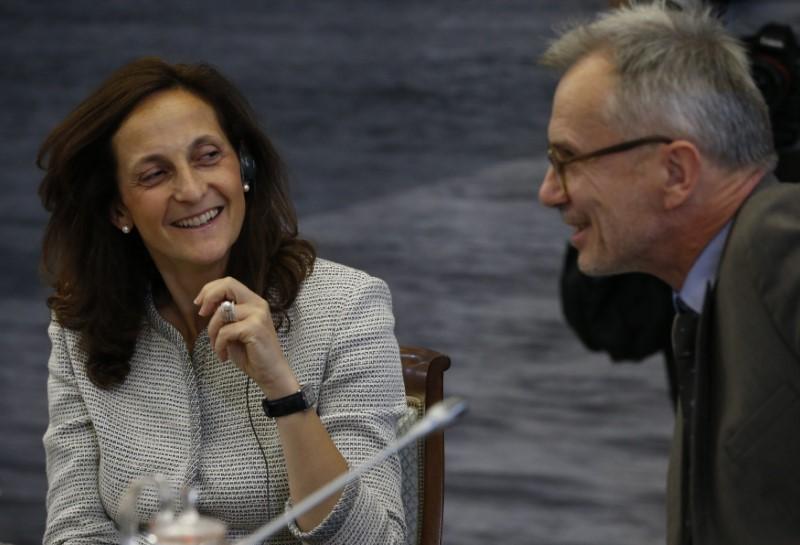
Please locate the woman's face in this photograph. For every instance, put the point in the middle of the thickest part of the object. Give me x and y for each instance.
(179, 183)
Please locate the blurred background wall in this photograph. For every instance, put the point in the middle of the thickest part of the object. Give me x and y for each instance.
(414, 131)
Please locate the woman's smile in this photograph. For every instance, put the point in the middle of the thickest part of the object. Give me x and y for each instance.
(200, 220)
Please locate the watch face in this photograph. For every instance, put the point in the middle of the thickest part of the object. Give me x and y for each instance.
(309, 396)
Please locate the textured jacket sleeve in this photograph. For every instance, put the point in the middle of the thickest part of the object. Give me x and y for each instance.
(75, 514)
(360, 400)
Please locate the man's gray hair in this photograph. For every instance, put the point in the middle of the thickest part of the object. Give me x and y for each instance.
(681, 74)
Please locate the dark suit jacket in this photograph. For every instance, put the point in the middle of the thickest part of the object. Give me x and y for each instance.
(744, 481)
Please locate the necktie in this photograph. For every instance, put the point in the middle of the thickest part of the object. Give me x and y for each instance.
(684, 335)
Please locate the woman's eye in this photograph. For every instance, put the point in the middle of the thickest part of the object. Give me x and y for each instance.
(151, 176)
(209, 156)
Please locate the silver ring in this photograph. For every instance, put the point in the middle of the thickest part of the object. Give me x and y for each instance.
(228, 311)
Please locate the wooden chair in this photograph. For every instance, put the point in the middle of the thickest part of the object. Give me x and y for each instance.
(423, 374)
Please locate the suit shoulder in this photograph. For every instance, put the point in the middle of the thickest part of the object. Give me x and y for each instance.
(332, 285)
(772, 209)
(766, 230)
(335, 276)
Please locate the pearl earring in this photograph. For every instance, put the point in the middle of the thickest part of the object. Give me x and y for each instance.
(246, 187)
(126, 229)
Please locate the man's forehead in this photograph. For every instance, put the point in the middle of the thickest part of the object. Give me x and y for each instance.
(581, 99)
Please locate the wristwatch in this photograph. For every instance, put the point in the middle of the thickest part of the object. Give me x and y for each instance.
(302, 399)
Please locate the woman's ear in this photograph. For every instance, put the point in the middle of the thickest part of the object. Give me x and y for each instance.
(682, 162)
(120, 217)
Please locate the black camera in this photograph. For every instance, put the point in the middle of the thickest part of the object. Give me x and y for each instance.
(775, 65)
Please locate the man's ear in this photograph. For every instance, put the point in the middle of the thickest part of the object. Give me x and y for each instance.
(682, 162)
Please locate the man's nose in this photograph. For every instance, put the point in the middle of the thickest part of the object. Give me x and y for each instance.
(551, 190)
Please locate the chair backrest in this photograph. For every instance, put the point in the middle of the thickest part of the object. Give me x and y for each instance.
(423, 374)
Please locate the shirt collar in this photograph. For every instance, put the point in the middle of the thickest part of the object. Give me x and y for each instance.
(704, 271)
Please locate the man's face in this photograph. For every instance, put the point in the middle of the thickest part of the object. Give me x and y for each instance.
(611, 201)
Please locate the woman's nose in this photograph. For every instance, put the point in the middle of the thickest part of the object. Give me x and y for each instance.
(189, 184)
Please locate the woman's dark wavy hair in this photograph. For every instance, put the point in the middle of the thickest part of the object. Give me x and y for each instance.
(100, 276)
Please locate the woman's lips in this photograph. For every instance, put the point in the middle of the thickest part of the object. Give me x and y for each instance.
(198, 220)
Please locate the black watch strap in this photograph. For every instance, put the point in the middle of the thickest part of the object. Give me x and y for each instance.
(301, 400)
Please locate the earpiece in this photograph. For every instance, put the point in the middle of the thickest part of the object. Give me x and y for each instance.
(247, 168)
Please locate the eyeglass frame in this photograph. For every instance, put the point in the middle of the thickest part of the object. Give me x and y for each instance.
(559, 165)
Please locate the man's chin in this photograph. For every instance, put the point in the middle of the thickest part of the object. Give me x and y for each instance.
(591, 266)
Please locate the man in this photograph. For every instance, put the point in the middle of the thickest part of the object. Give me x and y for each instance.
(661, 150)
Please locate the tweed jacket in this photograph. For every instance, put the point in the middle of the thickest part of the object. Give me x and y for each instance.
(744, 459)
(186, 416)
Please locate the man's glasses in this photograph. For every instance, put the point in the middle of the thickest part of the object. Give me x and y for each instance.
(560, 164)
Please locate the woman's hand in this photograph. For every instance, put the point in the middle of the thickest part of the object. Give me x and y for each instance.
(250, 341)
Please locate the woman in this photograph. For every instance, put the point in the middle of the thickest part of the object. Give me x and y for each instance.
(181, 288)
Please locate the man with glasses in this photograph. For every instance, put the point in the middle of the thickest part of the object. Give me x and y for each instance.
(661, 152)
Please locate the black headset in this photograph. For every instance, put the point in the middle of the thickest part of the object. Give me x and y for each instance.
(247, 166)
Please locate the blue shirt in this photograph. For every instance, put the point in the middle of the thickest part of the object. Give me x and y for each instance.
(704, 271)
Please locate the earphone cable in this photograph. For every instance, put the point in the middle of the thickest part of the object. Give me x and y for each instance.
(258, 440)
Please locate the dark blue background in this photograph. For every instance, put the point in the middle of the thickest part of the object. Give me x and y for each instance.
(414, 132)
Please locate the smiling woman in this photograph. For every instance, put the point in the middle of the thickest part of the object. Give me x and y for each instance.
(179, 186)
(180, 281)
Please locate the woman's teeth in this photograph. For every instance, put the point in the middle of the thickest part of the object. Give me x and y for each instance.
(200, 219)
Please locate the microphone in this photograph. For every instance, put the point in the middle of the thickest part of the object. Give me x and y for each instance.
(438, 416)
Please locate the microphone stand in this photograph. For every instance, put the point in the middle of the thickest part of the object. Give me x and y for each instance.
(438, 416)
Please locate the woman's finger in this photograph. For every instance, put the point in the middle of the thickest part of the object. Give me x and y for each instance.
(221, 317)
(257, 309)
(230, 345)
(224, 289)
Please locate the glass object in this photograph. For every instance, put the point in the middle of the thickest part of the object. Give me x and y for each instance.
(167, 527)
